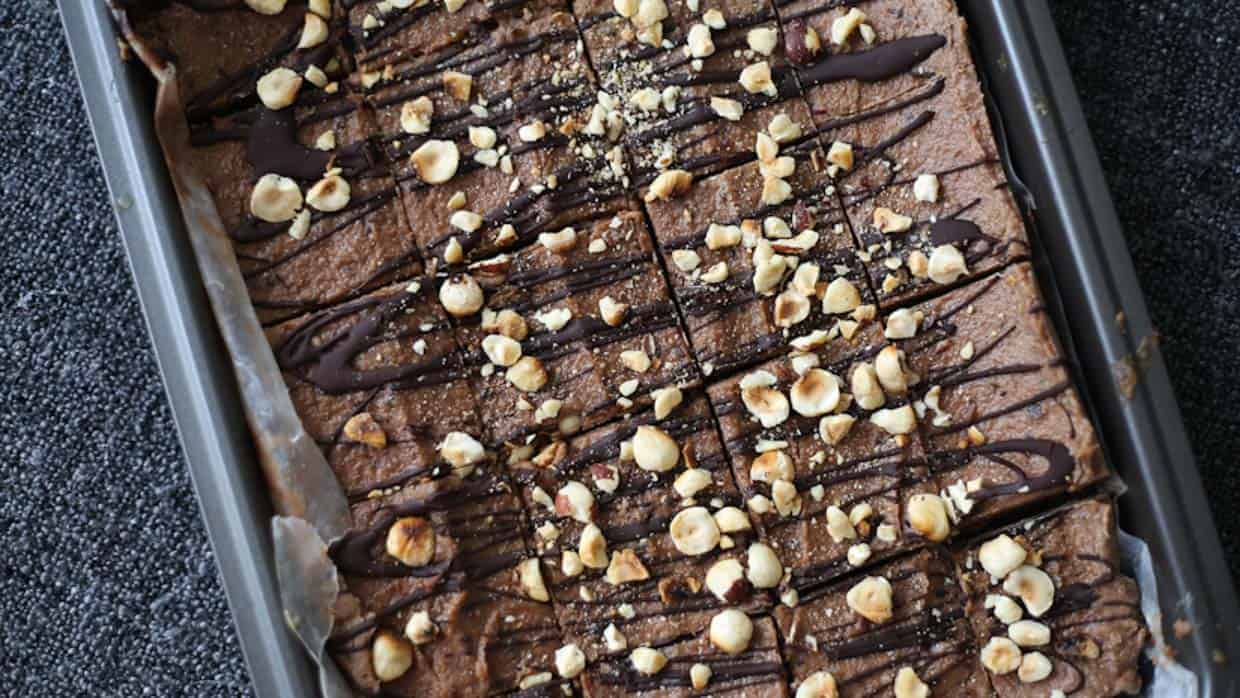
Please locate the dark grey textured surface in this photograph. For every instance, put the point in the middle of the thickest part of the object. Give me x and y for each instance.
(107, 584)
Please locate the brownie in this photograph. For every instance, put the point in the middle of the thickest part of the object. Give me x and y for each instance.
(751, 270)
(513, 99)
(660, 347)
(907, 104)
(1003, 424)
(379, 383)
(629, 519)
(590, 316)
(1050, 594)
(440, 597)
(682, 84)
(866, 633)
(824, 475)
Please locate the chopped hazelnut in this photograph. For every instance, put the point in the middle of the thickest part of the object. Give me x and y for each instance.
(275, 199)
(411, 540)
(436, 161)
(458, 85)
(871, 599)
(391, 655)
(278, 88)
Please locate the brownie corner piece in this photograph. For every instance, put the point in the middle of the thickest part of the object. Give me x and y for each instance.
(902, 622)
(1003, 423)
(1051, 606)
(896, 98)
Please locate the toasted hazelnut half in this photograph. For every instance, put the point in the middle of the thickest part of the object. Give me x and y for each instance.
(666, 400)
(278, 88)
(416, 115)
(772, 466)
(575, 501)
(820, 684)
(719, 237)
(612, 311)
(890, 368)
(329, 194)
(614, 639)
(833, 428)
(461, 295)
(731, 631)
(1034, 667)
(363, 429)
(458, 85)
(691, 481)
(694, 531)
(729, 109)
(841, 297)
(461, 450)
(946, 264)
(1033, 586)
(626, 567)
(501, 350)
(1029, 633)
(901, 324)
(420, 629)
(839, 526)
(411, 540)
(927, 515)
(756, 78)
(791, 308)
(815, 393)
(436, 161)
(391, 655)
(841, 155)
(527, 374)
(866, 389)
(1001, 555)
(1005, 609)
(669, 184)
(648, 661)
(871, 599)
(895, 421)
(1001, 656)
(764, 568)
(888, 221)
(699, 676)
(530, 574)
(726, 580)
(732, 520)
(654, 450)
(767, 404)
(313, 31)
(266, 7)
(275, 199)
(786, 498)
(592, 548)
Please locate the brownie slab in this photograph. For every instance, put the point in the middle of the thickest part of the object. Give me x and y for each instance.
(866, 632)
(628, 520)
(1050, 594)
(591, 327)
(922, 183)
(1002, 421)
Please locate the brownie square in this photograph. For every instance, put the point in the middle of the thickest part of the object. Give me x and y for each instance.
(461, 596)
(595, 317)
(909, 105)
(668, 92)
(1059, 574)
(379, 384)
(828, 485)
(627, 534)
(913, 620)
(1003, 424)
(726, 223)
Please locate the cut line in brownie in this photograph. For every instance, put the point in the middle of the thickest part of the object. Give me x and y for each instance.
(919, 171)
(864, 634)
(1002, 422)
(588, 328)
(629, 519)
(1050, 593)
(827, 461)
(756, 264)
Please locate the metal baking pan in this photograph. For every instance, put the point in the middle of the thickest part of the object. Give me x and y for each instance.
(1084, 258)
